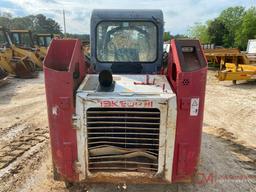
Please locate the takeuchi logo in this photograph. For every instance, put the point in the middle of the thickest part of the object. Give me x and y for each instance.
(126, 104)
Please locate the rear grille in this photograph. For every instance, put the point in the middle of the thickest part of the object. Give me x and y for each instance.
(123, 139)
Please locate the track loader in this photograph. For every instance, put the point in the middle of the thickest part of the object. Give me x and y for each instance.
(119, 117)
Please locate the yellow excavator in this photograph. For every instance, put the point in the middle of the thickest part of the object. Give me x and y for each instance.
(43, 41)
(22, 39)
(14, 60)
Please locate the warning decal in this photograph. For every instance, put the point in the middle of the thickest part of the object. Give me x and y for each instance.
(194, 106)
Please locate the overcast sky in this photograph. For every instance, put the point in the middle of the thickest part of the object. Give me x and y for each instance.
(178, 14)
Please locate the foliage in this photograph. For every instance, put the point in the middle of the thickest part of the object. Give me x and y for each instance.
(232, 28)
(167, 36)
(217, 32)
(247, 30)
(83, 37)
(231, 18)
(199, 31)
(37, 23)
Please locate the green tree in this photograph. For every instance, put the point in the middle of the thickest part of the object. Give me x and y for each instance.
(41, 24)
(247, 30)
(167, 36)
(217, 33)
(180, 36)
(232, 19)
(36, 23)
(21, 23)
(5, 22)
(199, 31)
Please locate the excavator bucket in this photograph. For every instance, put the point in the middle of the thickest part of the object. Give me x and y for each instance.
(21, 67)
(24, 68)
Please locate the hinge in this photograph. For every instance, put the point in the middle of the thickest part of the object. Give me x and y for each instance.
(76, 121)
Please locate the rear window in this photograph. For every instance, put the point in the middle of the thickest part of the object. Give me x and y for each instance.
(130, 41)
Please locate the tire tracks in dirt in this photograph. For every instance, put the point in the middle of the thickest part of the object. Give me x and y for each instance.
(19, 150)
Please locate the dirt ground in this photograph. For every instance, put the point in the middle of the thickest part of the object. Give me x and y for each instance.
(228, 152)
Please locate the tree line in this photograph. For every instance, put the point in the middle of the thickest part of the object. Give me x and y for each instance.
(37, 24)
(232, 28)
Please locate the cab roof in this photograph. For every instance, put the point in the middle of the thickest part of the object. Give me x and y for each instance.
(120, 14)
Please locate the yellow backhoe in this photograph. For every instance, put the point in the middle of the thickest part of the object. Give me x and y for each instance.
(43, 41)
(14, 60)
(23, 40)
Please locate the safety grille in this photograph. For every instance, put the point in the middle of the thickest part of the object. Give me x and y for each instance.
(123, 139)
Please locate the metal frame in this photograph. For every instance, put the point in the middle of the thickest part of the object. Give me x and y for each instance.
(166, 103)
(155, 16)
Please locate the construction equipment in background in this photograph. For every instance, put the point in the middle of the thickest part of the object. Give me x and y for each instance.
(86, 48)
(3, 76)
(136, 126)
(238, 70)
(234, 73)
(22, 39)
(42, 42)
(14, 60)
(218, 57)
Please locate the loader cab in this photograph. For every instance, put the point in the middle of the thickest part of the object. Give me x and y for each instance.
(43, 40)
(22, 38)
(5, 41)
(127, 41)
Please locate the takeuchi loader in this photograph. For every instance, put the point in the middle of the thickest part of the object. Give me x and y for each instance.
(14, 60)
(118, 117)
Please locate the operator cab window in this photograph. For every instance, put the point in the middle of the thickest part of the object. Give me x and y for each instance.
(48, 41)
(22, 40)
(132, 41)
(41, 41)
(3, 42)
(16, 38)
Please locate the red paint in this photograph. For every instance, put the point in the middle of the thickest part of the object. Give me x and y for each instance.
(188, 128)
(64, 59)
